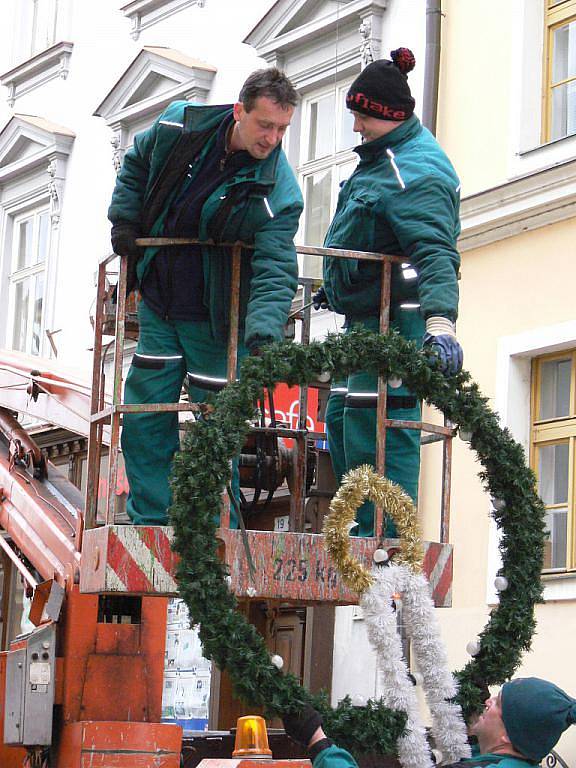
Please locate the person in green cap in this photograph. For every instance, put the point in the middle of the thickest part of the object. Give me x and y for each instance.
(517, 728)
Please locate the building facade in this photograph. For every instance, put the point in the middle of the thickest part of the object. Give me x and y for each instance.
(81, 79)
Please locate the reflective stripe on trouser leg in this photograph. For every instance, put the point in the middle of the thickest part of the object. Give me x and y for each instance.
(334, 420)
(206, 364)
(149, 440)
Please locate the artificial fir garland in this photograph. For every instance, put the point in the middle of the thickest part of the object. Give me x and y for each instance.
(201, 471)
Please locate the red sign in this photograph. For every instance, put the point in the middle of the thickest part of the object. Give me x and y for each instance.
(287, 408)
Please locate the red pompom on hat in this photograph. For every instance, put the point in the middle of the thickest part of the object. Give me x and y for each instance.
(404, 59)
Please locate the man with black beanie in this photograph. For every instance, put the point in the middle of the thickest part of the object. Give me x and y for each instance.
(403, 199)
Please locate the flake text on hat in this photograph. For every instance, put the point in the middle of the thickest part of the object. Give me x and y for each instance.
(382, 110)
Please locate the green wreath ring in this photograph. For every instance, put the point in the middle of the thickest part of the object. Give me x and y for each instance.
(201, 471)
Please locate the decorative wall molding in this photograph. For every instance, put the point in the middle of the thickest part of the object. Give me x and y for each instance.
(521, 204)
(55, 189)
(48, 65)
(33, 147)
(155, 77)
(33, 158)
(146, 13)
(312, 39)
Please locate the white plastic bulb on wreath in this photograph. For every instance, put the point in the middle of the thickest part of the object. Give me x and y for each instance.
(251, 592)
(358, 700)
(465, 435)
(501, 583)
(394, 382)
(324, 376)
(473, 648)
(380, 556)
(228, 580)
(277, 661)
(498, 504)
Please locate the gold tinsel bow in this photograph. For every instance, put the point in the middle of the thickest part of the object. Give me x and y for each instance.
(365, 483)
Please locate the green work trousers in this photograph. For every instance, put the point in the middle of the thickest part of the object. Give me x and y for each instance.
(351, 424)
(167, 351)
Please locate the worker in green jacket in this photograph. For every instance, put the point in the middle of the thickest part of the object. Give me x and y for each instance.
(517, 729)
(403, 199)
(206, 172)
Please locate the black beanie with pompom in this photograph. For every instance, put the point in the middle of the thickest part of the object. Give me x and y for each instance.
(381, 90)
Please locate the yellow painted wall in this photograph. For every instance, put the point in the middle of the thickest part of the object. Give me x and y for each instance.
(474, 92)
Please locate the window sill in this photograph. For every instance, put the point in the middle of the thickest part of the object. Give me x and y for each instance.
(544, 155)
(542, 147)
(32, 73)
(560, 585)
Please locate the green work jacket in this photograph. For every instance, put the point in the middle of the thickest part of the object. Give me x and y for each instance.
(402, 199)
(335, 757)
(260, 205)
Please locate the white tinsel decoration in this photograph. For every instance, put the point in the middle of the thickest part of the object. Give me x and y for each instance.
(448, 726)
(439, 684)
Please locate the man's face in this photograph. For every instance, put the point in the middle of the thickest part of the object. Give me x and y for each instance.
(262, 129)
(489, 727)
(371, 128)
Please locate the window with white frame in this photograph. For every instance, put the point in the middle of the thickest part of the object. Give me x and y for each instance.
(30, 248)
(326, 160)
(41, 51)
(43, 24)
(37, 28)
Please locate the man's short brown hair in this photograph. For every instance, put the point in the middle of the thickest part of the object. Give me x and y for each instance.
(271, 83)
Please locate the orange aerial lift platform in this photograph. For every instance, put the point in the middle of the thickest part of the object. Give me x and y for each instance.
(84, 688)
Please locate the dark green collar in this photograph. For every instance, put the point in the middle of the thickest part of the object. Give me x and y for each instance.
(405, 131)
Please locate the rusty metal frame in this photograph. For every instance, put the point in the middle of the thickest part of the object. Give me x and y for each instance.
(101, 414)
